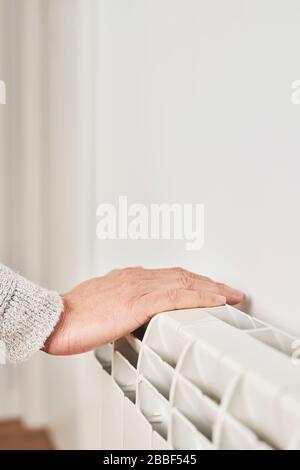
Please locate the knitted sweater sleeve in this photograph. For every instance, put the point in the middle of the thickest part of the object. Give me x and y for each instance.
(28, 314)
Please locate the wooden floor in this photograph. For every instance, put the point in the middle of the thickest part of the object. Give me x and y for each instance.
(13, 436)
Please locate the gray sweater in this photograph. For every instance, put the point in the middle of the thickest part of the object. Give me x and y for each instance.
(28, 314)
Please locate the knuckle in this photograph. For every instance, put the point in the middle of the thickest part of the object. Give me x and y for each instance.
(221, 285)
(128, 273)
(128, 270)
(178, 270)
(122, 275)
(132, 271)
(114, 272)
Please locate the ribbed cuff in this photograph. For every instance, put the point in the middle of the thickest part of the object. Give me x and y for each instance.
(28, 315)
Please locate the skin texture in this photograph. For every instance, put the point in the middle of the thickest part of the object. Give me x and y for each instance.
(100, 310)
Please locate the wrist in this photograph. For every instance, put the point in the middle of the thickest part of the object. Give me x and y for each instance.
(54, 343)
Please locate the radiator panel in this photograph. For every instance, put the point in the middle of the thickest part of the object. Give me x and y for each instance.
(212, 378)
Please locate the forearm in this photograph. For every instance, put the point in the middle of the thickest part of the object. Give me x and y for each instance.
(28, 315)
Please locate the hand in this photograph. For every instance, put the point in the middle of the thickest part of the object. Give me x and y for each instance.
(103, 309)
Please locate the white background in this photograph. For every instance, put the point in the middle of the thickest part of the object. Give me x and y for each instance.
(196, 107)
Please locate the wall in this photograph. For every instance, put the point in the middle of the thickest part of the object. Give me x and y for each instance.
(195, 106)
(4, 124)
(9, 403)
(44, 195)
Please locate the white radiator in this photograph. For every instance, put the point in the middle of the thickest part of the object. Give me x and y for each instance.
(211, 378)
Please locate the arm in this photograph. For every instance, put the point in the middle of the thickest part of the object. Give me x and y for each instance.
(28, 314)
(99, 310)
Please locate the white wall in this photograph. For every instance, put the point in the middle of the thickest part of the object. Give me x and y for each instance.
(9, 401)
(4, 126)
(44, 195)
(195, 106)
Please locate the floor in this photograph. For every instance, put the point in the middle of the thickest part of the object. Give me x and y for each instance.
(13, 436)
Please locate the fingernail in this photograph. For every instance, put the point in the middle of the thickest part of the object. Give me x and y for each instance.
(220, 299)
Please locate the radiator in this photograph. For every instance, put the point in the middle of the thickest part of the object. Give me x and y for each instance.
(211, 378)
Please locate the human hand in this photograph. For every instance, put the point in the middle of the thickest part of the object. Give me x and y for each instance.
(100, 310)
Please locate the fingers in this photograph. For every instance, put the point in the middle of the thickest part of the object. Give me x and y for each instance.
(178, 277)
(174, 273)
(145, 281)
(175, 299)
(232, 296)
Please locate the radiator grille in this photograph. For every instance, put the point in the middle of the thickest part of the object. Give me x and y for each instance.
(211, 378)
